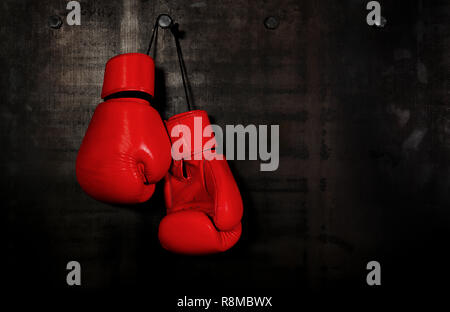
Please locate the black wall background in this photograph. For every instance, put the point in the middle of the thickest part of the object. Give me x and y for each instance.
(364, 145)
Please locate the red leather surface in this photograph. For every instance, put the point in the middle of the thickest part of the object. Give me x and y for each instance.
(129, 72)
(204, 206)
(125, 150)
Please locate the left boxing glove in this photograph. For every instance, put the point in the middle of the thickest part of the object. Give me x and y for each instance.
(126, 148)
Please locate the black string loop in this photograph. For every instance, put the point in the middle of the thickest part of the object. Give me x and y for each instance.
(176, 35)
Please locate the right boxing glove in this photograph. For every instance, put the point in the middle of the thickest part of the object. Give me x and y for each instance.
(204, 205)
(126, 148)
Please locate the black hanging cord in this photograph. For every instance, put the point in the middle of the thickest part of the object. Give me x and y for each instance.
(174, 31)
(176, 35)
(155, 30)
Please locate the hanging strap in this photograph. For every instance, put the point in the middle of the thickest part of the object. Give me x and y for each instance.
(155, 31)
(176, 36)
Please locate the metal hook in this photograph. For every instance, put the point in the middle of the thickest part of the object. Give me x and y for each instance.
(164, 21)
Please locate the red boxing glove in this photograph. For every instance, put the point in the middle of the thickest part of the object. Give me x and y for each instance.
(126, 148)
(204, 206)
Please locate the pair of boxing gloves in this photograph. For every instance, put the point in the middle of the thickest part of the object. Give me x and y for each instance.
(127, 149)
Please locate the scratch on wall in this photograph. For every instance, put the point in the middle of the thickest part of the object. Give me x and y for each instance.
(129, 27)
(414, 139)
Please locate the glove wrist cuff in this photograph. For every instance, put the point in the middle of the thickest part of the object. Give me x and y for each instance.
(129, 72)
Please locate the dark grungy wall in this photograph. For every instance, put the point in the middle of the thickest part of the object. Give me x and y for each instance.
(364, 140)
